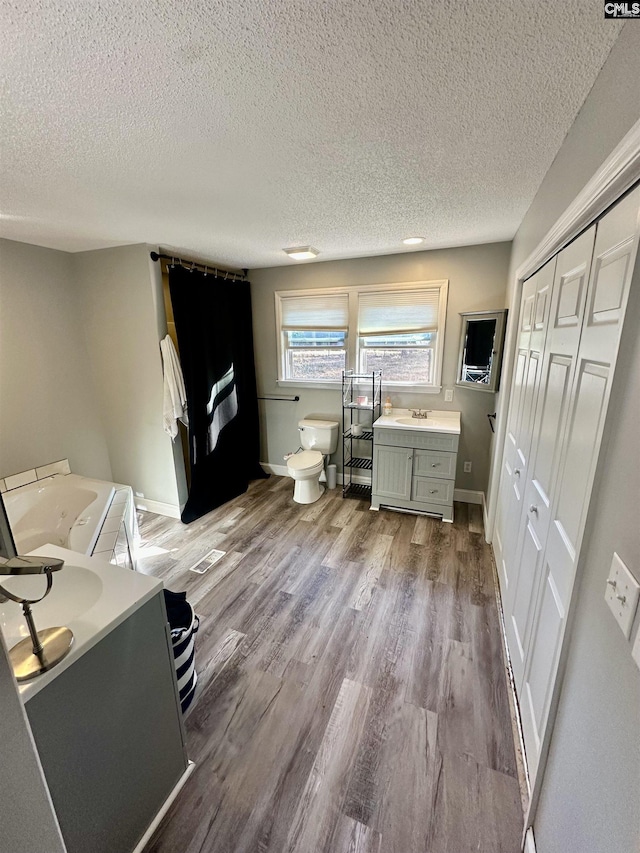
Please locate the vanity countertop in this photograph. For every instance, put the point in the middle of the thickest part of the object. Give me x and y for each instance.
(91, 599)
(438, 421)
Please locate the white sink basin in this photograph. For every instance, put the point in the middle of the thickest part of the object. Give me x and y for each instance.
(417, 422)
(88, 596)
(75, 590)
(438, 421)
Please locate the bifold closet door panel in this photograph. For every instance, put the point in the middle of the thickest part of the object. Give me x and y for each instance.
(612, 270)
(534, 314)
(568, 300)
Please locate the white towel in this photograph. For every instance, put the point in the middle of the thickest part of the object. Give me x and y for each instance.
(174, 405)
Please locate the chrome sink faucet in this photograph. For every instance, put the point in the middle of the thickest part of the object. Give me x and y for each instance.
(420, 413)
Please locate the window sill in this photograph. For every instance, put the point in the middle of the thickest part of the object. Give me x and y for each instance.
(337, 386)
(318, 386)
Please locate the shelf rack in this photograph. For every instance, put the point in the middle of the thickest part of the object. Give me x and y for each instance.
(361, 405)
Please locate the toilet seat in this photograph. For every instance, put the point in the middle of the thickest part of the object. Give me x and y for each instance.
(305, 460)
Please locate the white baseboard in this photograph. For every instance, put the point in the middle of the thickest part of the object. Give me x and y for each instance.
(155, 823)
(529, 843)
(160, 508)
(278, 470)
(468, 496)
(485, 520)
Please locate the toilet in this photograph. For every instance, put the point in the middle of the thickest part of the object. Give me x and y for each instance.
(318, 440)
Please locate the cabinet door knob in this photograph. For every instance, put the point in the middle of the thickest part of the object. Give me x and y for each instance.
(517, 472)
(435, 464)
(432, 491)
(533, 508)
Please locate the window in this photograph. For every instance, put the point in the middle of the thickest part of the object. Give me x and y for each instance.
(396, 328)
(313, 332)
(397, 332)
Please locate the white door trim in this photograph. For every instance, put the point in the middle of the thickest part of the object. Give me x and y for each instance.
(619, 172)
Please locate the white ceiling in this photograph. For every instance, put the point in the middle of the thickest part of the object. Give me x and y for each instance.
(230, 130)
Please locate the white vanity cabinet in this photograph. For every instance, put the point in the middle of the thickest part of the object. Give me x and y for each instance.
(414, 468)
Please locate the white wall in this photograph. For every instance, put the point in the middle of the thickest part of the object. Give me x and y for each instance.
(590, 798)
(28, 823)
(48, 407)
(122, 312)
(477, 281)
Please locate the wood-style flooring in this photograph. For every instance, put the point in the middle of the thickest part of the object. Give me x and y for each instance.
(352, 694)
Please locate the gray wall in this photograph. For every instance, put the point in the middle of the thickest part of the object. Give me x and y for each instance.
(48, 407)
(591, 788)
(477, 281)
(122, 311)
(28, 823)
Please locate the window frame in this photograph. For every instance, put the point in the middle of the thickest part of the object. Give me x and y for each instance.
(287, 348)
(352, 339)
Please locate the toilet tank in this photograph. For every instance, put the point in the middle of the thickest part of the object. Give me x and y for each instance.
(319, 435)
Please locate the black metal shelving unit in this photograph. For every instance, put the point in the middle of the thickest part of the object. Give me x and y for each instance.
(357, 450)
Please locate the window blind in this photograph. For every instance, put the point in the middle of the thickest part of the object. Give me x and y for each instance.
(398, 312)
(320, 311)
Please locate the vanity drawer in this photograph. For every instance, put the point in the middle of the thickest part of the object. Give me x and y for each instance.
(412, 438)
(431, 490)
(434, 463)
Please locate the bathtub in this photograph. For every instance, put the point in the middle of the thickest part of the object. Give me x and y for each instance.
(64, 510)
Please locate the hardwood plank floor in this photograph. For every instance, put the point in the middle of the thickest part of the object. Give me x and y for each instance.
(352, 695)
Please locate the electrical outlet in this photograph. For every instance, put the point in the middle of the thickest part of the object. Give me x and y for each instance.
(448, 395)
(467, 467)
(622, 594)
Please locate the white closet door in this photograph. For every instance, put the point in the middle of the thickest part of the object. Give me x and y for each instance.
(534, 314)
(609, 283)
(568, 302)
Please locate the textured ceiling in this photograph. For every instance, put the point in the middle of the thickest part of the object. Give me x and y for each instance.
(231, 130)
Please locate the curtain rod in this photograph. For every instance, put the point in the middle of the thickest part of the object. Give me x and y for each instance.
(207, 268)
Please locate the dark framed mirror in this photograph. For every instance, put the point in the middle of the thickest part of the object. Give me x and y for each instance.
(481, 344)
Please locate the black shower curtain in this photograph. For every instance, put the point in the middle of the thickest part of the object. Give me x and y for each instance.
(215, 338)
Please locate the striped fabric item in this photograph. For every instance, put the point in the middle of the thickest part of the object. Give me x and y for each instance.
(185, 660)
(183, 625)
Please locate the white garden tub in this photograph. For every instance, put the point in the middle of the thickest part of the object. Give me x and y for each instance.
(64, 510)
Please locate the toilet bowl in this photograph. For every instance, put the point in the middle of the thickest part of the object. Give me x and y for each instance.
(318, 439)
(305, 468)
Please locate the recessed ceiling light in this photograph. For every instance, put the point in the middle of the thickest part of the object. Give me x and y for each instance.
(301, 253)
(412, 241)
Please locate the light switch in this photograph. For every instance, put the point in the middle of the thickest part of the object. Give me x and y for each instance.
(448, 395)
(622, 594)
